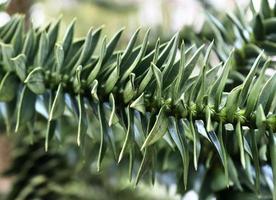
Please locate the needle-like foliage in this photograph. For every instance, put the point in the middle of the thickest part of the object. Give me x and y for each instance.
(168, 106)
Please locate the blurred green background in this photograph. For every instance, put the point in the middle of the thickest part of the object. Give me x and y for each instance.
(164, 17)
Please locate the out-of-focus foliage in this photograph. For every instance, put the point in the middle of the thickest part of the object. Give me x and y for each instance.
(56, 175)
(3, 5)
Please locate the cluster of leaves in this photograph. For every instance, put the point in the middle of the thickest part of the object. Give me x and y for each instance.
(249, 38)
(38, 177)
(55, 175)
(144, 105)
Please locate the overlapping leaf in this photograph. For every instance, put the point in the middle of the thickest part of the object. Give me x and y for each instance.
(138, 93)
